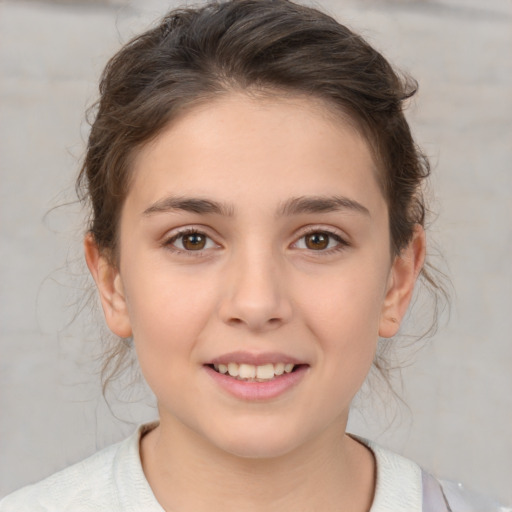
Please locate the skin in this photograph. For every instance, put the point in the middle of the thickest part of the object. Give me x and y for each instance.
(256, 286)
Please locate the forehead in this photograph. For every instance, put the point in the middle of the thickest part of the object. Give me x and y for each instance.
(259, 148)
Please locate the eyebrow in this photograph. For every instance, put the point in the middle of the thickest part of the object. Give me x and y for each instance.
(321, 204)
(293, 206)
(189, 204)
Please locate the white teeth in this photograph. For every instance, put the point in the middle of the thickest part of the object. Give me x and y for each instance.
(265, 371)
(279, 368)
(252, 372)
(288, 367)
(247, 371)
(233, 369)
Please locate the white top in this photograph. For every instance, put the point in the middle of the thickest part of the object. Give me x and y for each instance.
(113, 480)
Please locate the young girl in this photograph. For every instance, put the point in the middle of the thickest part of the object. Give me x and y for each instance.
(257, 225)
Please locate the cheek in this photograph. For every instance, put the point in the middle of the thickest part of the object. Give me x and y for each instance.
(161, 298)
(346, 303)
(343, 314)
(167, 313)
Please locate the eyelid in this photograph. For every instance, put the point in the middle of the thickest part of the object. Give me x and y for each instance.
(169, 239)
(335, 233)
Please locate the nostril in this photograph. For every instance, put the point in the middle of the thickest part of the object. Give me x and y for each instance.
(270, 322)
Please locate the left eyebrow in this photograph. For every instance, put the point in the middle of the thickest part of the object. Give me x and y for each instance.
(321, 204)
(188, 204)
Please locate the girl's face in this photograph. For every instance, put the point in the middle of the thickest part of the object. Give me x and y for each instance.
(255, 236)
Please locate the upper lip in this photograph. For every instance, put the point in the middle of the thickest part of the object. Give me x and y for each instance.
(256, 359)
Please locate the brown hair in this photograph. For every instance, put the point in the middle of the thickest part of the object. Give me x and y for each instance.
(272, 46)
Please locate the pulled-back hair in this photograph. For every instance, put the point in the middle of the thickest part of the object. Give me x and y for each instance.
(257, 46)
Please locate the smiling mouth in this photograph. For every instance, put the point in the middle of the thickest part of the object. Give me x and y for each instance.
(254, 373)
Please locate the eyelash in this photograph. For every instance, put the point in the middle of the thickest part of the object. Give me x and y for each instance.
(342, 244)
(169, 242)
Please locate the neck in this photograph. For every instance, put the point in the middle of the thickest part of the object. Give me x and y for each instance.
(330, 473)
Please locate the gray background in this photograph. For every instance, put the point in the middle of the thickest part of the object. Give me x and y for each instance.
(458, 418)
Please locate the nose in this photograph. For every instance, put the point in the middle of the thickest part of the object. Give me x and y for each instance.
(255, 293)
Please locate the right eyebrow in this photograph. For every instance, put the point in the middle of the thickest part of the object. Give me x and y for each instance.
(188, 204)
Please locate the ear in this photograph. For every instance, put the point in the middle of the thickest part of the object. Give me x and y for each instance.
(402, 277)
(110, 287)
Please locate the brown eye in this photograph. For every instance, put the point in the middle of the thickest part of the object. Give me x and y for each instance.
(317, 241)
(194, 241)
(320, 241)
(191, 241)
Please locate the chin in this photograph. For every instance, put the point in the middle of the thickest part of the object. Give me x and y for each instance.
(259, 445)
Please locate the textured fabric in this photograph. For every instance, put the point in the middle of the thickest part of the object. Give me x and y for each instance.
(113, 480)
(398, 486)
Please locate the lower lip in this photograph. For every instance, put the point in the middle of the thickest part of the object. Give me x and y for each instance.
(258, 391)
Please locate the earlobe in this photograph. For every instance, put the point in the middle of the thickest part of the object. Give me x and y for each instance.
(110, 288)
(402, 278)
